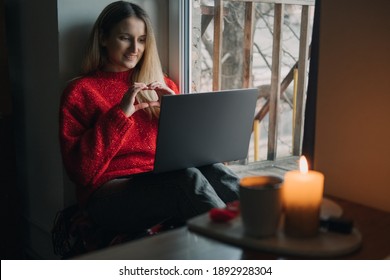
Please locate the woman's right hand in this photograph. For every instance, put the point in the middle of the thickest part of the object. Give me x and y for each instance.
(127, 103)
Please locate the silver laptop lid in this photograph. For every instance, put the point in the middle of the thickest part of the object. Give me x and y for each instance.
(204, 128)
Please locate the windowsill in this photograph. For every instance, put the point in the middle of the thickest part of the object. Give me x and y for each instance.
(278, 167)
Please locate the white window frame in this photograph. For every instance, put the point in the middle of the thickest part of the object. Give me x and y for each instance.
(180, 43)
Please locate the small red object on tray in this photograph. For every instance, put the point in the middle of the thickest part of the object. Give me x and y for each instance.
(223, 215)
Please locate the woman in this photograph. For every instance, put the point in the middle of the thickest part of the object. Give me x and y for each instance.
(108, 129)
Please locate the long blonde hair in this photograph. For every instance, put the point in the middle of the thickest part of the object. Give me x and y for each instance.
(148, 68)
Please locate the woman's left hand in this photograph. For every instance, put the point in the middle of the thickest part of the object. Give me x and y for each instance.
(160, 89)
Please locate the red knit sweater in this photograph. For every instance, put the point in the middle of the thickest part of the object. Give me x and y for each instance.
(98, 142)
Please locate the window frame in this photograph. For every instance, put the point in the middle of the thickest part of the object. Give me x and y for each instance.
(180, 43)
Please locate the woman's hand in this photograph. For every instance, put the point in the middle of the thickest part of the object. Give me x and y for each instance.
(160, 89)
(127, 103)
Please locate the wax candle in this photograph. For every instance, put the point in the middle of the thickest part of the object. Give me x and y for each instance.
(302, 197)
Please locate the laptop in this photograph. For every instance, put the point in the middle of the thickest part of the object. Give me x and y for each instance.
(198, 129)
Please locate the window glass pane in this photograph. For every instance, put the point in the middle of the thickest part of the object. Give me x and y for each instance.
(231, 72)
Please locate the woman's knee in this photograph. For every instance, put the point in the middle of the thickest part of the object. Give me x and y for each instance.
(198, 189)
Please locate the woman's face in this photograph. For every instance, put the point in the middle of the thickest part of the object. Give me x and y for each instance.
(125, 45)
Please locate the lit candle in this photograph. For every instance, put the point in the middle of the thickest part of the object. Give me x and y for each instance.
(302, 197)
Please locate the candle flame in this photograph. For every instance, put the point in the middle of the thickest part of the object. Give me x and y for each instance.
(303, 166)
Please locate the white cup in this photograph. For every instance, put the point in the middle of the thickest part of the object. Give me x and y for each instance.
(261, 205)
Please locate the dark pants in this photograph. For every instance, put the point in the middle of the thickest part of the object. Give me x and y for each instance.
(143, 200)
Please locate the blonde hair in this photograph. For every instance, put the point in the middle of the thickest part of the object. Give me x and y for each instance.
(148, 68)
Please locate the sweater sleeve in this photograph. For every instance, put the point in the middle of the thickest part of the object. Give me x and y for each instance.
(90, 136)
(171, 84)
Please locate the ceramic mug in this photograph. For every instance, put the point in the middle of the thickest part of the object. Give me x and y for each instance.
(260, 205)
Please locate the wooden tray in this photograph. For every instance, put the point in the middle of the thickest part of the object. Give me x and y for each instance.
(324, 245)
